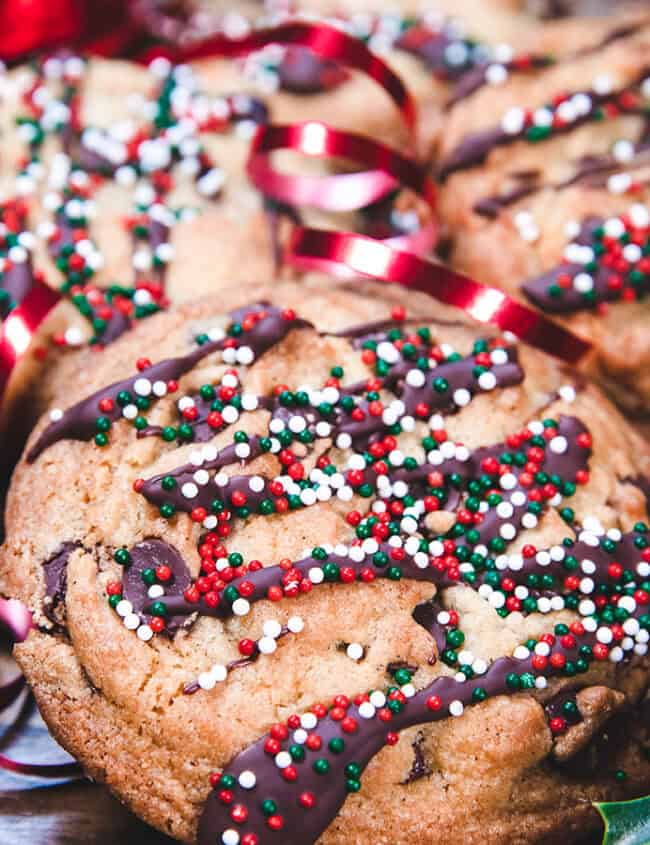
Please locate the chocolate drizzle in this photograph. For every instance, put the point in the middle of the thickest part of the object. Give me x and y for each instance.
(154, 488)
(80, 421)
(301, 71)
(428, 705)
(475, 78)
(432, 48)
(592, 171)
(476, 147)
(547, 292)
(459, 375)
(413, 567)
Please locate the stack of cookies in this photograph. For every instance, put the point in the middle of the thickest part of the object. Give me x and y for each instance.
(314, 559)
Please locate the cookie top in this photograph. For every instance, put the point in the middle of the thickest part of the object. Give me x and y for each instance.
(266, 539)
(121, 174)
(545, 188)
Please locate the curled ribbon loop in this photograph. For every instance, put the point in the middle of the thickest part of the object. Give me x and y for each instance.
(16, 620)
(343, 192)
(318, 249)
(20, 325)
(326, 41)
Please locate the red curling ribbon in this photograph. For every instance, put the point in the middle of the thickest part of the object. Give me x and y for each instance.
(323, 250)
(326, 41)
(341, 192)
(16, 619)
(20, 325)
(32, 25)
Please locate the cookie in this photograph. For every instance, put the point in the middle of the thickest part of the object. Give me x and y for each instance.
(133, 182)
(549, 199)
(338, 573)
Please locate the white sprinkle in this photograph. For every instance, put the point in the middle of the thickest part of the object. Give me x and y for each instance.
(619, 183)
(559, 445)
(367, 710)
(462, 397)
(189, 490)
(602, 84)
(616, 654)
(206, 681)
(240, 607)
(267, 645)
(567, 393)
(316, 575)
(415, 378)
(219, 672)
(355, 651)
(272, 628)
(583, 282)
(131, 621)
(145, 633)
(487, 381)
(256, 483)
(247, 779)
(496, 74)
(124, 607)
(142, 386)
(295, 624)
(308, 721)
(456, 708)
(513, 121)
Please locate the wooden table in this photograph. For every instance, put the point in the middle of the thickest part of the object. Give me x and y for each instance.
(70, 815)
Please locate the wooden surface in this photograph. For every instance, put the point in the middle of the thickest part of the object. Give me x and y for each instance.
(70, 815)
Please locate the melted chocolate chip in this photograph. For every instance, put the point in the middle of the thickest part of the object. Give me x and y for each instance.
(556, 707)
(149, 554)
(431, 47)
(419, 767)
(56, 575)
(301, 71)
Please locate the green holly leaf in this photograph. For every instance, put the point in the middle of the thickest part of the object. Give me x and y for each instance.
(626, 822)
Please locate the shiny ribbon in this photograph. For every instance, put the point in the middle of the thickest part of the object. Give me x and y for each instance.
(326, 41)
(343, 192)
(20, 325)
(323, 250)
(16, 620)
(103, 26)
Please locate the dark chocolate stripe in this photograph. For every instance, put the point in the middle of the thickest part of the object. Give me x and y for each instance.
(79, 421)
(476, 147)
